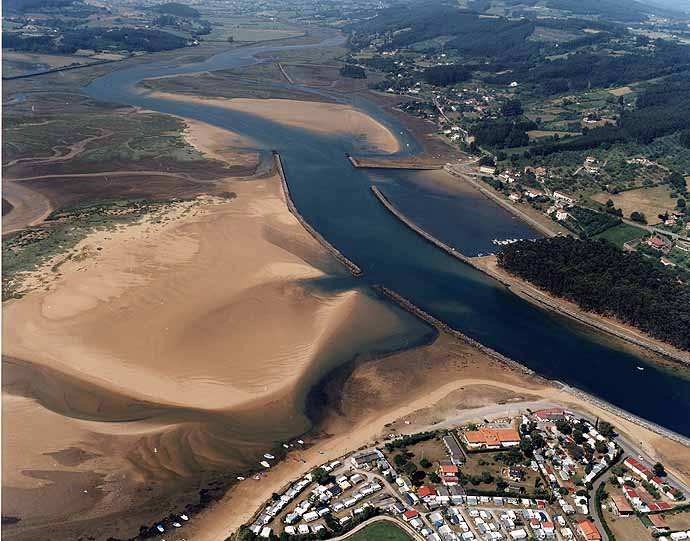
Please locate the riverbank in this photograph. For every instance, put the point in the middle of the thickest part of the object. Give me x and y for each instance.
(533, 295)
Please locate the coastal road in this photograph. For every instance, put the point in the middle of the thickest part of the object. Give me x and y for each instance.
(461, 171)
(592, 503)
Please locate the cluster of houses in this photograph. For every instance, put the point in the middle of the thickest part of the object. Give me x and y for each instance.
(444, 511)
(645, 474)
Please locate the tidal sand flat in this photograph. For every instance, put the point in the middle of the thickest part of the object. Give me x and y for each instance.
(166, 357)
(326, 118)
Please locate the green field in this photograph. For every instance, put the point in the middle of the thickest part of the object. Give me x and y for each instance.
(381, 531)
(621, 233)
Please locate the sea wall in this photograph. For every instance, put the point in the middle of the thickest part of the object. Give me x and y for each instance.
(389, 163)
(544, 300)
(354, 269)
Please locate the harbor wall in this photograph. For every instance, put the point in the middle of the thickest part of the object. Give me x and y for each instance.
(352, 267)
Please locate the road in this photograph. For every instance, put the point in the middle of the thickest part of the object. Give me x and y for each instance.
(380, 518)
(462, 171)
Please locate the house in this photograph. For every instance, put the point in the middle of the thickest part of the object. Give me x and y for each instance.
(491, 438)
(457, 456)
(588, 531)
(516, 474)
(426, 492)
(656, 242)
(515, 197)
(365, 459)
(563, 197)
(621, 505)
(562, 215)
(550, 414)
(487, 170)
(532, 193)
(448, 473)
(637, 468)
(658, 522)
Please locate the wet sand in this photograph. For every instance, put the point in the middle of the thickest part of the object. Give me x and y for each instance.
(320, 117)
(168, 354)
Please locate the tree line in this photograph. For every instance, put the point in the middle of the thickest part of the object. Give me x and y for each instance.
(602, 279)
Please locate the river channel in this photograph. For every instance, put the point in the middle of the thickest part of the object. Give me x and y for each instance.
(336, 199)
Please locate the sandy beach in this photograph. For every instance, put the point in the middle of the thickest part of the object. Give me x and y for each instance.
(407, 399)
(326, 118)
(155, 352)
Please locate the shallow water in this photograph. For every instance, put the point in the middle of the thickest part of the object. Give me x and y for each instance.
(337, 200)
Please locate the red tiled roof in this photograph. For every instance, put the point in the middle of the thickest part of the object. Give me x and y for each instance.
(410, 514)
(589, 530)
(426, 491)
(449, 468)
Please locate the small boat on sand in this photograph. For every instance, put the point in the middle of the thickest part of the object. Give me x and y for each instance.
(265, 464)
(300, 442)
(286, 446)
(269, 456)
(240, 478)
(640, 368)
(184, 517)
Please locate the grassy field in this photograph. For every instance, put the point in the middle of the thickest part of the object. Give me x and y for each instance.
(651, 201)
(63, 229)
(625, 528)
(480, 462)
(538, 134)
(381, 531)
(678, 521)
(14, 63)
(621, 233)
(250, 29)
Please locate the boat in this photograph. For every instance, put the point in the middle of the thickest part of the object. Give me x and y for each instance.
(265, 464)
(286, 446)
(640, 368)
(257, 477)
(160, 528)
(269, 456)
(240, 478)
(184, 517)
(300, 442)
(177, 525)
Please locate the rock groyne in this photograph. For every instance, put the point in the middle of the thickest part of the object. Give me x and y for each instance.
(352, 267)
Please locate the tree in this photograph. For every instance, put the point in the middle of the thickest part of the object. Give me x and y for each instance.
(424, 463)
(563, 426)
(606, 429)
(638, 217)
(399, 460)
(659, 470)
(487, 160)
(434, 478)
(601, 447)
(680, 203)
(354, 72)
(609, 203)
(511, 108)
(322, 477)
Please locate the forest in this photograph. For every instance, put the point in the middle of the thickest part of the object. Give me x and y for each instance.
(179, 10)
(130, 39)
(446, 75)
(603, 279)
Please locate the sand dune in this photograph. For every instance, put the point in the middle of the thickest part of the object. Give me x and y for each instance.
(320, 117)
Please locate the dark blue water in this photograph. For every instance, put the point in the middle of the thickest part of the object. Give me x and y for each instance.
(336, 199)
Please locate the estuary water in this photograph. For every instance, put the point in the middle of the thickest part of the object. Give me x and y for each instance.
(336, 199)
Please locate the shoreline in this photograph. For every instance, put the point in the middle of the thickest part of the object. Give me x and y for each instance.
(520, 291)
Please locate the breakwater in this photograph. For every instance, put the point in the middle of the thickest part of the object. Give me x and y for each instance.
(389, 163)
(532, 296)
(606, 406)
(354, 269)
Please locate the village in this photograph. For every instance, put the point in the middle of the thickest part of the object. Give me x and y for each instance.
(547, 474)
